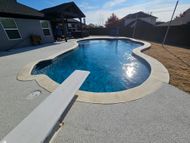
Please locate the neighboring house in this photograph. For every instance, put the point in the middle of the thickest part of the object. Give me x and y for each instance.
(18, 22)
(138, 16)
(178, 21)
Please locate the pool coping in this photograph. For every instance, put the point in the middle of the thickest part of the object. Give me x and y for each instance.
(158, 75)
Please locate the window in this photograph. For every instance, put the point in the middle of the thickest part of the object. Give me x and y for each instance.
(45, 28)
(10, 28)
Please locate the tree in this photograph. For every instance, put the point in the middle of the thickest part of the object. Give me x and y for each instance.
(112, 21)
(181, 15)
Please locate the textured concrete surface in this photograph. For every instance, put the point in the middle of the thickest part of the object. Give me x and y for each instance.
(162, 117)
(14, 102)
(43, 119)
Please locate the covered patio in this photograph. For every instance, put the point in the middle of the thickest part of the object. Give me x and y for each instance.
(59, 16)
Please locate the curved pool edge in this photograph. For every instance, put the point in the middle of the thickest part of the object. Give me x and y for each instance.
(158, 75)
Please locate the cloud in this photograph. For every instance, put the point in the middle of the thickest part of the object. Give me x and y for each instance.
(160, 8)
(87, 6)
(113, 3)
(165, 13)
(97, 17)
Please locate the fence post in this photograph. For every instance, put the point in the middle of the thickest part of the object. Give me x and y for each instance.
(134, 30)
(168, 28)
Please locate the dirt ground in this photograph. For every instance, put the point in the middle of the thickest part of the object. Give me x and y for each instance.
(176, 60)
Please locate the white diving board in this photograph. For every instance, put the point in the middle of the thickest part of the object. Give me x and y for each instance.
(38, 125)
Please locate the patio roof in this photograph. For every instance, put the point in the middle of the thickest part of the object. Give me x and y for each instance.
(11, 8)
(65, 10)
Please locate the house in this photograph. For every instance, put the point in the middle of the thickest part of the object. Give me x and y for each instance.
(181, 20)
(19, 22)
(59, 17)
(138, 16)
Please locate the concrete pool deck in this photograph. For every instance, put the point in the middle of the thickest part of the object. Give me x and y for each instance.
(162, 116)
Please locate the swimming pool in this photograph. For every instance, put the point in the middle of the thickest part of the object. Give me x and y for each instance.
(110, 62)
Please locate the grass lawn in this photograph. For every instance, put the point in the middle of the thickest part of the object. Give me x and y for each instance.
(176, 60)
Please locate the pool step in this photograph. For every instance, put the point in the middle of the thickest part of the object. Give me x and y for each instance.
(38, 125)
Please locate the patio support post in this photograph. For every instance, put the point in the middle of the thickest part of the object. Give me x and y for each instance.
(81, 26)
(67, 24)
(65, 28)
(84, 21)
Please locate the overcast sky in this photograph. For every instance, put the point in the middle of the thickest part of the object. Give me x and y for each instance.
(97, 11)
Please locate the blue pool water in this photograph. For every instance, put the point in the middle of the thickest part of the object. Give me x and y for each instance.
(110, 62)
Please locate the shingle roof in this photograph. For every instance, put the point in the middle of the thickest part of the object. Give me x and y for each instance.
(11, 7)
(184, 19)
(139, 15)
(65, 9)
